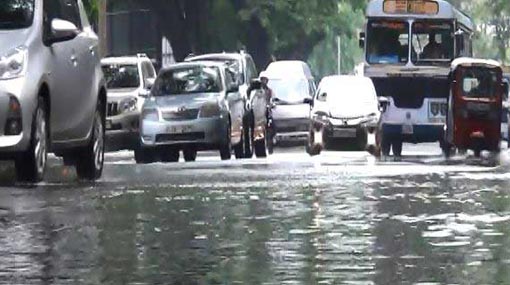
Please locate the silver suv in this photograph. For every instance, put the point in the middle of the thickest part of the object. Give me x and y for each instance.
(52, 88)
(129, 80)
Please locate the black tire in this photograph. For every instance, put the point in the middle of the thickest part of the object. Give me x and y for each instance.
(248, 137)
(478, 153)
(312, 148)
(226, 148)
(385, 145)
(90, 164)
(269, 141)
(170, 155)
(260, 148)
(239, 148)
(190, 154)
(144, 156)
(397, 147)
(31, 165)
(362, 140)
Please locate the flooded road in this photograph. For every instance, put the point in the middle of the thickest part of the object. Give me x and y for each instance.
(341, 218)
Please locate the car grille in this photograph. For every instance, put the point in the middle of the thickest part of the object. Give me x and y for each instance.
(180, 137)
(290, 126)
(181, 115)
(113, 109)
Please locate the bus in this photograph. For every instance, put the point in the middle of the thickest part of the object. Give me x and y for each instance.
(408, 47)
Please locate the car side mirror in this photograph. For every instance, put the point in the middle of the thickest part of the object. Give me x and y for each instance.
(362, 40)
(384, 102)
(62, 31)
(149, 83)
(308, 101)
(144, 93)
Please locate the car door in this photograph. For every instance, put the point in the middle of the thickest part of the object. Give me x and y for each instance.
(66, 110)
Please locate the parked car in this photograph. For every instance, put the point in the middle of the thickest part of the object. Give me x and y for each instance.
(291, 82)
(244, 67)
(345, 110)
(129, 80)
(193, 106)
(52, 87)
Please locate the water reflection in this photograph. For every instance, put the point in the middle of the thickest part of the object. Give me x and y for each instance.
(273, 227)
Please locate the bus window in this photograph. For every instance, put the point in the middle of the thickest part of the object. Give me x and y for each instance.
(432, 42)
(387, 42)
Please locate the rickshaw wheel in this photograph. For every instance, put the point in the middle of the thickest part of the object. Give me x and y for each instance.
(478, 153)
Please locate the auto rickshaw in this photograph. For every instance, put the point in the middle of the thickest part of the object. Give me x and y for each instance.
(473, 120)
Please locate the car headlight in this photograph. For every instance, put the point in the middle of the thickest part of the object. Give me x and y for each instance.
(210, 110)
(13, 64)
(128, 105)
(150, 115)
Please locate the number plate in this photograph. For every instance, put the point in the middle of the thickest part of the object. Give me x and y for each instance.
(407, 129)
(344, 133)
(178, 129)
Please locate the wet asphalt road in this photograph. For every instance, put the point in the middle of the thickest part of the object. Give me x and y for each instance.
(341, 218)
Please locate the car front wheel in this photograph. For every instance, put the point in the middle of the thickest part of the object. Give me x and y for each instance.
(90, 164)
(31, 165)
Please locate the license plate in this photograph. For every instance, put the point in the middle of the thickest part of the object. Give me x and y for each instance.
(108, 124)
(179, 129)
(407, 129)
(344, 133)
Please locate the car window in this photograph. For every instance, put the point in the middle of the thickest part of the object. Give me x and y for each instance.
(71, 12)
(16, 14)
(121, 76)
(251, 70)
(188, 80)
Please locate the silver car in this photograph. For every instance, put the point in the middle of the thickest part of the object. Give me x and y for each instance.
(193, 106)
(52, 88)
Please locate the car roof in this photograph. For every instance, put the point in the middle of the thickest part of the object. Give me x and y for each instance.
(349, 81)
(466, 61)
(193, 64)
(288, 68)
(223, 56)
(124, 60)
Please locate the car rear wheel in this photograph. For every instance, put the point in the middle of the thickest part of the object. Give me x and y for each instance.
(248, 137)
(31, 165)
(170, 155)
(362, 140)
(239, 148)
(90, 164)
(144, 156)
(260, 148)
(226, 147)
(190, 154)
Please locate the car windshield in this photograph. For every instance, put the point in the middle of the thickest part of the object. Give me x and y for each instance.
(188, 80)
(432, 42)
(121, 76)
(479, 83)
(233, 64)
(343, 92)
(290, 90)
(388, 42)
(16, 14)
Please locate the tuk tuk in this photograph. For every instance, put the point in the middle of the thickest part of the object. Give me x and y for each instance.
(473, 120)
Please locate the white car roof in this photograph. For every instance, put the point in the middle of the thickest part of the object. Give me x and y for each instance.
(124, 60)
(286, 69)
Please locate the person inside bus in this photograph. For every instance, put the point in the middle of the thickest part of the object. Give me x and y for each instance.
(433, 50)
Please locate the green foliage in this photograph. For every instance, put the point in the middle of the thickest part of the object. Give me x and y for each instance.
(92, 7)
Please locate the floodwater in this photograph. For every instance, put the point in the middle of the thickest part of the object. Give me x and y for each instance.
(341, 218)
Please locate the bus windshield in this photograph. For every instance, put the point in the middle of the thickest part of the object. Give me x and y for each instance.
(432, 42)
(387, 42)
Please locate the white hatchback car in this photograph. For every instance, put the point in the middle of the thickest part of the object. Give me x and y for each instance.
(345, 109)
